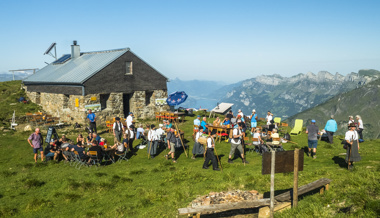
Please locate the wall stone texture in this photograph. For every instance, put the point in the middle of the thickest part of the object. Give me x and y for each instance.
(63, 106)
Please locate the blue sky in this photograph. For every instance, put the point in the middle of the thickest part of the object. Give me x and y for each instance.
(208, 40)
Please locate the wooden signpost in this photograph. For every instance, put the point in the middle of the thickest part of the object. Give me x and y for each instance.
(282, 162)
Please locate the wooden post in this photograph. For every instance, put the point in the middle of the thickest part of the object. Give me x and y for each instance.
(272, 183)
(295, 179)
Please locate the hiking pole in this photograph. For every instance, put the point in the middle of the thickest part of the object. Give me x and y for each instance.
(180, 138)
(218, 158)
(243, 144)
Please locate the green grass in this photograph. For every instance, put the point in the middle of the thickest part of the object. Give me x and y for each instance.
(157, 188)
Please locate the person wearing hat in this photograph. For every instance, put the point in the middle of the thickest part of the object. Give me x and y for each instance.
(197, 121)
(253, 118)
(153, 141)
(118, 129)
(312, 138)
(171, 139)
(237, 136)
(241, 114)
(198, 148)
(130, 137)
(210, 154)
(352, 140)
(129, 119)
(330, 128)
(350, 120)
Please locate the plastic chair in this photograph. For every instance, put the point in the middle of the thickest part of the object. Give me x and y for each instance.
(277, 120)
(297, 127)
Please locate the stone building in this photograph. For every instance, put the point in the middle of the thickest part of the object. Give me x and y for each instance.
(115, 82)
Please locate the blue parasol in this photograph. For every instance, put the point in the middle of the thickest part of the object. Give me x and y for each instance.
(176, 98)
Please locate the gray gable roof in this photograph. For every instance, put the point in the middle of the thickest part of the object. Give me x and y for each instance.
(75, 71)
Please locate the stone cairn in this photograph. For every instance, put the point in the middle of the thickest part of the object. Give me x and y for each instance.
(225, 197)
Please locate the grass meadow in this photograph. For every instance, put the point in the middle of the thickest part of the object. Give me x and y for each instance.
(157, 187)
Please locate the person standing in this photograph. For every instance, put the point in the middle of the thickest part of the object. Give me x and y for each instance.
(92, 118)
(171, 139)
(352, 140)
(253, 118)
(350, 120)
(129, 119)
(312, 138)
(35, 141)
(131, 137)
(330, 128)
(230, 115)
(237, 135)
(153, 140)
(118, 129)
(210, 154)
(269, 117)
(198, 148)
(360, 126)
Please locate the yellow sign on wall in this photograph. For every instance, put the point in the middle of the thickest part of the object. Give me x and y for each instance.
(76, 102)
(93, 98)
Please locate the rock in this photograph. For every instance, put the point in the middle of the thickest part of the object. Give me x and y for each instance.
(1, 128)
(27, 128)
(264, 212)
(6, 130)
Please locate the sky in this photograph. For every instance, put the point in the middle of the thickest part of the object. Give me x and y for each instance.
(200, 39)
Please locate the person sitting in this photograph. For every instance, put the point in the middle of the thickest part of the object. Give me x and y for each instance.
(275, 135)
(140, 131)
(96, 148)
(103, 143)
(197, 121)
(80, 138)
(230, 115)
(81, 152)
(120, 148)
(259, 141)
(226, 121)
(125, 141)
(89, 139)
(204, 125)
(216, 122)
(271, 126)
(51, 150)
(96, 137)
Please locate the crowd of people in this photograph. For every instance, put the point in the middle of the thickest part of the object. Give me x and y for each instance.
(166, 136)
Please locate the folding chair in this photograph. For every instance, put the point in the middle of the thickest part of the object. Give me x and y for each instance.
(94, 158)
(157, 114)
(79, 161)
(122, 156)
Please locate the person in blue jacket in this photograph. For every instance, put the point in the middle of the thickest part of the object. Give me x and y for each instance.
(330, 128)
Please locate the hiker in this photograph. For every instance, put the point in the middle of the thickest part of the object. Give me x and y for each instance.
(118, 129)
(312, 138)
(198, 148)
(92, 118)
(210, 154)
(129, 120)
(236, 143)
(131, 137)
(171, 138)
(353, 147)
(269, 117)
(35, 141)
(360, 126)
(350, 120)
(153, 141)
(253, 118)
(330, 128)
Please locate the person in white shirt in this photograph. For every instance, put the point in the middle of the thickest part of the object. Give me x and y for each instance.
(237, 135)
(210, 154)
(131, 137)
(129, 119)
(350, 120)
(241, 114)
(275, 135)
(118, 129)
(198, 148)
(269, 117)
(360, 126)
(153, 141)
(352, 142)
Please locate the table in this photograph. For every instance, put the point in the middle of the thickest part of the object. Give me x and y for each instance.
(224, 128)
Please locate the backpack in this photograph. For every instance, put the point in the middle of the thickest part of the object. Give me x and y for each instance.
(287, 136)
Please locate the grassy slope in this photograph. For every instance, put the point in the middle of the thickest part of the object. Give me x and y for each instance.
(153, 188)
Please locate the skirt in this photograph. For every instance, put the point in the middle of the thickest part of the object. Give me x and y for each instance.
(198, 148)
(355, 156)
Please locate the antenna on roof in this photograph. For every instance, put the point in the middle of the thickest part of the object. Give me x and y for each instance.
(48, 51)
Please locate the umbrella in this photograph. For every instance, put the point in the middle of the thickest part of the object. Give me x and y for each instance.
(176, 98)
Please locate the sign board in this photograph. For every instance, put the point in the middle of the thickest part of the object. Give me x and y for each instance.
(284, 162)
(160, 101)
(76, 102)
(51, 133)
(93, 107)
(93, 98)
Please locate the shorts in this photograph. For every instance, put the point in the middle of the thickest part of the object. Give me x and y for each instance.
(254, 124)
(35, 150)
(172, 147)
(234, 147)
(312, 143)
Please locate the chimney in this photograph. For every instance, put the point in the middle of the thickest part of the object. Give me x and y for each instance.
(75, 50)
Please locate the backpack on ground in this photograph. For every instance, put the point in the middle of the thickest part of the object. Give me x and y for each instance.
(287, 137)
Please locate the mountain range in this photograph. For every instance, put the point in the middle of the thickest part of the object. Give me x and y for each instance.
(9, 76)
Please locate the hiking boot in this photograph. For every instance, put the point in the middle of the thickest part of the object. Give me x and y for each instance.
(308, 154)
(230, 161)
(166, 157)
(174, 161)
(245, 161)
(217, 169)
(193, 157)
(206, 168)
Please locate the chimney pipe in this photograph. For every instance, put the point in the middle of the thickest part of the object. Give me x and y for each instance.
(75, 50)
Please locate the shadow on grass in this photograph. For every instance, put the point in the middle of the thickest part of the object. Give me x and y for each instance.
(232, 213)
(340, 161)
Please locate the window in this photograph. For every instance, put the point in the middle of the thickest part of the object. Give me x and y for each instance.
(103, 100)
(65, 101)
(128, 67)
